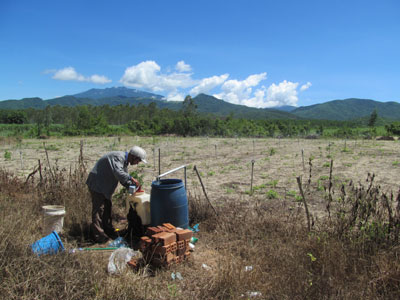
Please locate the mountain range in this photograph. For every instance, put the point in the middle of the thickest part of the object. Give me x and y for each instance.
(347, 109)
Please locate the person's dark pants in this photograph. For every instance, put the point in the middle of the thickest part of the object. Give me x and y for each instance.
(101, 226)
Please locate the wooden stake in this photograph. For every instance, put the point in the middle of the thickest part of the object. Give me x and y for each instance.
(20, 157)
(252, 171)
(204, 190)
(154, 159)
(305, 203)
(48, 160)
(40, 172)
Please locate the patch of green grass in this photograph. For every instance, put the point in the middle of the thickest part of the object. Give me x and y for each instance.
(271, 194)
(229, 191)
(326, 165)
(211, 173)
(298, 198)
(346, 150)
(324, 177)
(320, 187)
(395, 163)
(7, 155)
(259, 187)
(273, 183)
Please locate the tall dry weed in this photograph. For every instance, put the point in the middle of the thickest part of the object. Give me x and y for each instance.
(250, 248)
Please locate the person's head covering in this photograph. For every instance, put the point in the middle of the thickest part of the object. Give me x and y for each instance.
(139, 153)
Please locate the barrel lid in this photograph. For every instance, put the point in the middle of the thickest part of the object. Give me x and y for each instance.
(169, 183)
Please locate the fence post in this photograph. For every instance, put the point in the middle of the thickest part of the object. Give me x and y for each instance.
(252, 171)
(159, 161)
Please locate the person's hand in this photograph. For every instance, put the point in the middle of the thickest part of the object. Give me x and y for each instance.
(135, 182)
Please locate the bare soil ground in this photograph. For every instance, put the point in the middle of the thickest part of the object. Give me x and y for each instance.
(225, 164)
(288, 262)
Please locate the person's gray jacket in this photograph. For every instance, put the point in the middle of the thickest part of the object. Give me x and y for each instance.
(107, 172)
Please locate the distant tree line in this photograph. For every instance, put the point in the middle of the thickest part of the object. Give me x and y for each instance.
(151, 120)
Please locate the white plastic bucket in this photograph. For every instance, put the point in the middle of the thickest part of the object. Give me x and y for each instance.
(53, 219)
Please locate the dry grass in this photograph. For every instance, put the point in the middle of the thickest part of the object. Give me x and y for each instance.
(338, 259)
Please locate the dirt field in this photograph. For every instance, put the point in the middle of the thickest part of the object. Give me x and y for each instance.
(225, 164)
(263, 229)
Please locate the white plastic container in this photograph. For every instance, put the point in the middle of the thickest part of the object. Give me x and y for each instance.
(141, 202)
(53, 218)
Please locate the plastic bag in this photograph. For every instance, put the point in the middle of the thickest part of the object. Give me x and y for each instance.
(119, 258)
(118, 242)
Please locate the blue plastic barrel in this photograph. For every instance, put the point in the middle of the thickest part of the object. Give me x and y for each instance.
(50, 244)
(168, 203)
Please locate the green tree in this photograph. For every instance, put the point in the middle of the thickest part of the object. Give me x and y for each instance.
(372, 118)
(47, 119)
(189, 107)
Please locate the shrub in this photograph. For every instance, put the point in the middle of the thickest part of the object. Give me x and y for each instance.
(7, 155)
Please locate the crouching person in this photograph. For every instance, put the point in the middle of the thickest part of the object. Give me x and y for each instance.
(102, 182)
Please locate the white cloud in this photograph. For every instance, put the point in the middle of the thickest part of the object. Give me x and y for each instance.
(143, 75)
(305, 86)
(176, 84)
(99, 79)
(175, 96)
(285, 93)
(258, 100)
(182, 67)
(70, 74)
(238, 92)
(208, 84)
(241, 92)
(147, 75)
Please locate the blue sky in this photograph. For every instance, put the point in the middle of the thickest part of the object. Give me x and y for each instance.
(256, 53)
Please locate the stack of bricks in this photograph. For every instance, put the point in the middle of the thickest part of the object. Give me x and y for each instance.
(165, 245)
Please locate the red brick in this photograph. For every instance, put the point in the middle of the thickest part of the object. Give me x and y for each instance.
(181, 247)
(169, 257)
(174, 247)
(184, 234)
(180, 244)
(165, 260)
(133, 263)
(165, 238)
(179, 259)
(169, 226)
(162, 228)
(144, 243)
(152, 230)
(159, 249)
